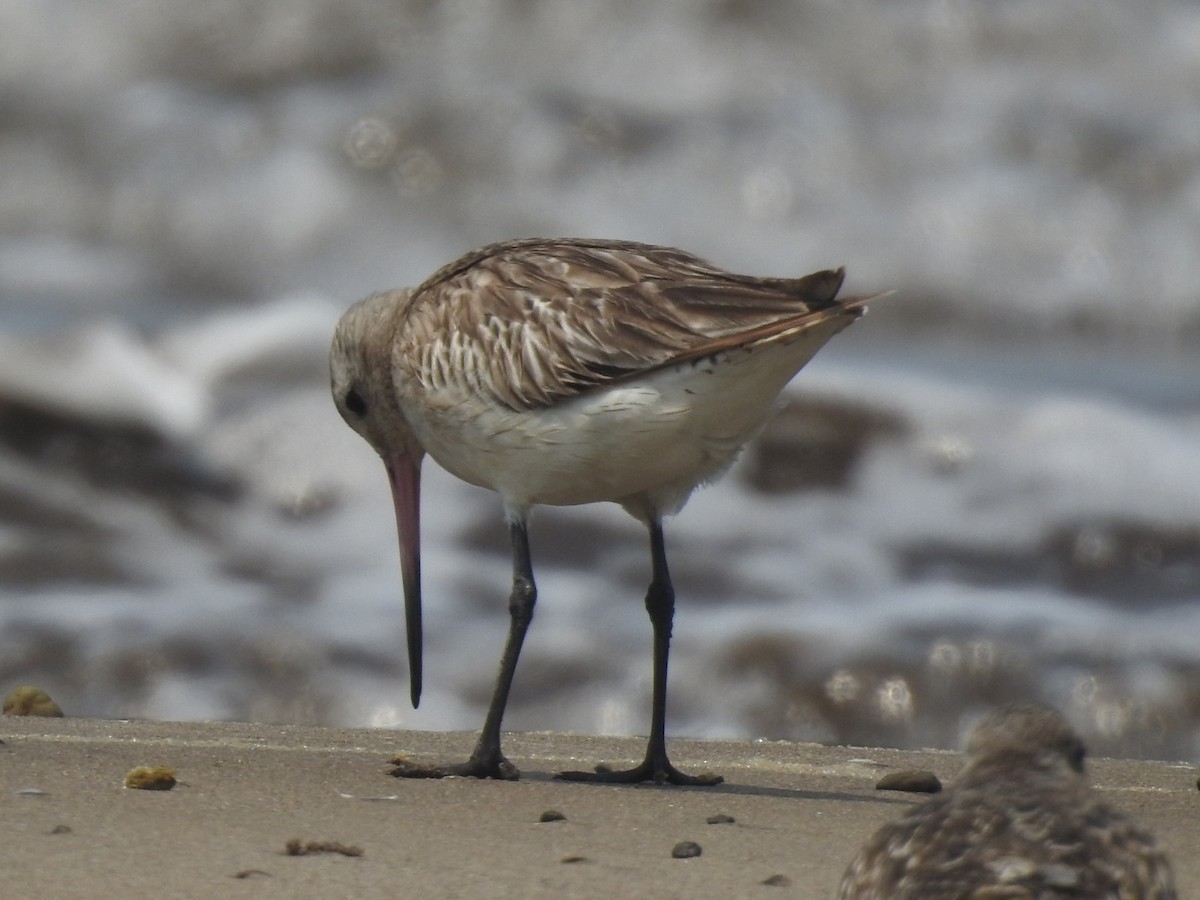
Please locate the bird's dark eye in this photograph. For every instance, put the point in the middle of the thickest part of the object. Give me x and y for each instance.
(355, 403)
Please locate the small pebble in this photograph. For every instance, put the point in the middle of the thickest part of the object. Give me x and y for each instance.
(147, 778)
(777, 881)
(27, 700)
(914, 781)
(61, 829)
(552, 815)
(720, 819)
(249, 873)
(575, 859)
(686, 850)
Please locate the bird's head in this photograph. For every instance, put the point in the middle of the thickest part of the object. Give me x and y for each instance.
(1028, 736)
(360, 372)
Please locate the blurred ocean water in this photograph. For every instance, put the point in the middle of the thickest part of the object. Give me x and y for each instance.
(985, 490)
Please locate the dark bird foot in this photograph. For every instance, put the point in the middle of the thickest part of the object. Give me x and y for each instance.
(658, 771)
(496, 767)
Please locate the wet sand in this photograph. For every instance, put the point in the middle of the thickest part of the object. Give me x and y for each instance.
(800, 811)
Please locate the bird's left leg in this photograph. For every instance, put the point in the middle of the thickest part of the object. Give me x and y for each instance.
(656, 767)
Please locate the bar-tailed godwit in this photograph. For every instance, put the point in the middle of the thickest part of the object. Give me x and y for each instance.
(1019, 821)
(565, 372)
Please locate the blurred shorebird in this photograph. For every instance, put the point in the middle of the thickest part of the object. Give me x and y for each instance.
(1019, 822)
(565, 372)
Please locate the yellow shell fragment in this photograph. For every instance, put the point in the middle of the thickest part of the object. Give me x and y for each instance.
(27, 700)
(147, 778)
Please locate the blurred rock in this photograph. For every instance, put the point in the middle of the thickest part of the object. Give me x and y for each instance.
(59, 470)
(816, 442)
(1127, 561)
(49, 541)
(112, 455)
(1122, 561)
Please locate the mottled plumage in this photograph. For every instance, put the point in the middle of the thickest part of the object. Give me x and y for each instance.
(573, 371)
(1019, 822)
(529, 323)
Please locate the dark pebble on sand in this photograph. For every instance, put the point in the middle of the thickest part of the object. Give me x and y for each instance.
(720, 819)
(552, 815)
(575, 859)
(914, 781)
(686, 850)
(816, 442)
(61, 829)
(777, 881)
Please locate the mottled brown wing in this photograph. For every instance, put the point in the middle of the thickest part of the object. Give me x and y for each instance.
(528, 323)
(900, 853)
(1129, 858)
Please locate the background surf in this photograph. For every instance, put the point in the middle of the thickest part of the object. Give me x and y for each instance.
(985, 490)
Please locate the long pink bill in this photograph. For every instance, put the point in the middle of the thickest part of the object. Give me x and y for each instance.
(404, 473)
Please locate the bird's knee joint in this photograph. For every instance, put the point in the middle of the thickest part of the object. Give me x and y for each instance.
(660, 600)
(522, 598)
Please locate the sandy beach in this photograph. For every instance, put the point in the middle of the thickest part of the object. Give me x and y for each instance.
(799, 811)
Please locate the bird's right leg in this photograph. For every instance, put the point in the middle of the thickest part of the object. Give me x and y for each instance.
(487, 760)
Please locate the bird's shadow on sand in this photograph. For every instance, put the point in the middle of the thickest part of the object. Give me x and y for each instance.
(728, 788)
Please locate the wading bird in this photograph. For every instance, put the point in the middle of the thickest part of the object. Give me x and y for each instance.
(564, 372)
(1020, 821)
